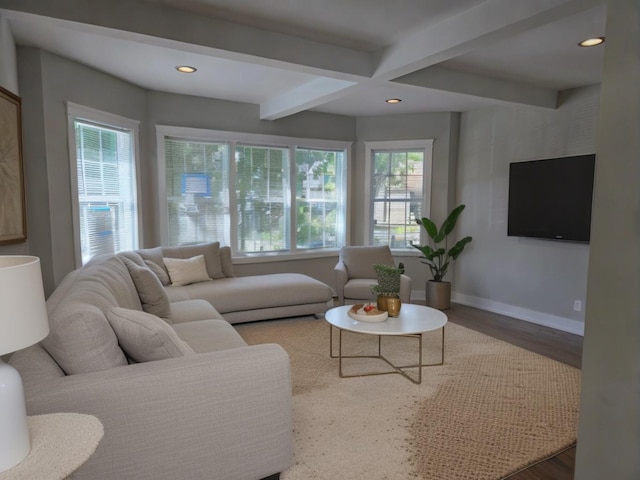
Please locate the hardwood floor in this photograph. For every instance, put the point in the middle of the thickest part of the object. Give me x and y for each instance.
(561, 346)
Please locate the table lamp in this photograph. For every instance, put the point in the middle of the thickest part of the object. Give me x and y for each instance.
(23, 322)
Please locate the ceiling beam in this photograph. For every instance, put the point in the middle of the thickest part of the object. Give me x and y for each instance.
(227, 39)
(477, 27)
(310, 95)
(446, 79)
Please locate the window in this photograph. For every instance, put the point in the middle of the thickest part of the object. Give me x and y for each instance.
(103, 171)
(277, 195)
(399, 191)
(262, 194)
(320, 198)
(197, 194)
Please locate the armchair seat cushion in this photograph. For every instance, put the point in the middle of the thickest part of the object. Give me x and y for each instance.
(355, 274)
(359, 289)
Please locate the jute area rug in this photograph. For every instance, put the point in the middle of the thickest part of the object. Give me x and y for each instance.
(491, 410)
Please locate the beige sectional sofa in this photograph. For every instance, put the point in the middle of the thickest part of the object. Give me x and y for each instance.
(179, 392)
(238, 299)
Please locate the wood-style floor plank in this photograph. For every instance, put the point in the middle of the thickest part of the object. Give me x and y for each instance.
(561, 346)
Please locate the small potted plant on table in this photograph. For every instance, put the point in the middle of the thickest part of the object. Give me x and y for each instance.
(388, 288)
(438, 257)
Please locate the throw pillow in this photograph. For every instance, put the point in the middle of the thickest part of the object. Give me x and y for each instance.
(152, 294)
(225, 260)
(158, 271)
(153, 259)
(186, 271)
(211, 252)
(145, 337)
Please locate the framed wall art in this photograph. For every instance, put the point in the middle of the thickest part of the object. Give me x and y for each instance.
(13, 218)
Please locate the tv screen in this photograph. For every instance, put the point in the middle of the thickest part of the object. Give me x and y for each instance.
(551, 198)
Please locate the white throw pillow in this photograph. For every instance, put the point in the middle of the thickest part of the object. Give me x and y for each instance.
(186, 271)
(145, 337)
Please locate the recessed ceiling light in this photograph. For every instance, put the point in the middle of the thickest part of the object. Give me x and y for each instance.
(186, 69)
(591, 42)
(393, 100)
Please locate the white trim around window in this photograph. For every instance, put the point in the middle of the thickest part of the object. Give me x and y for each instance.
(108, 120)
(426, 145)
(233, 139)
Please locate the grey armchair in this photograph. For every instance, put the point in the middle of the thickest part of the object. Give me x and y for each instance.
(355, 275)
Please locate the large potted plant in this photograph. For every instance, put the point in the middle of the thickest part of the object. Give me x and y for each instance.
(437, 255)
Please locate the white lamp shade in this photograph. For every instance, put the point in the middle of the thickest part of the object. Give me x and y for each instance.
(23, 312)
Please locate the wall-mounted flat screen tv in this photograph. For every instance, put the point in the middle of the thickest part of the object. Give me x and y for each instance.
(551, 198)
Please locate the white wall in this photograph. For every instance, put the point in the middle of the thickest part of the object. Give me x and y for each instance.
(530, 279)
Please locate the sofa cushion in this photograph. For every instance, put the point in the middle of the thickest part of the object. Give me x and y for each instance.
(152, 294)
(225, 260)
(152, 258)
(192, 310)
(255, 292)
(211, 252)
(145, 337)
(80, 339)
(85, 342)
(209, 335)
(187, 271)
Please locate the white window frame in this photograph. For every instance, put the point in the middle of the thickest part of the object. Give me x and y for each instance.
(80, 112)
(426, 146)
(234, 138)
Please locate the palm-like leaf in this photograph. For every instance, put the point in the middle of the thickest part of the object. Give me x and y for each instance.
(438, 258)
(429, 227)
(450, 223)
(458, 247)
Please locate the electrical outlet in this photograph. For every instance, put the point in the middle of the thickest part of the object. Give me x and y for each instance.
(577, 305)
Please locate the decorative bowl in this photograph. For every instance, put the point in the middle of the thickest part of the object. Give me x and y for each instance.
(374, 315)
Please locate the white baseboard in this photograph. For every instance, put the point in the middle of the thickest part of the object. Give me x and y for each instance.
(545, 319)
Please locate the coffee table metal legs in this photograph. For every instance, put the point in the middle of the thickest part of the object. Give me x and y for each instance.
(400, 369)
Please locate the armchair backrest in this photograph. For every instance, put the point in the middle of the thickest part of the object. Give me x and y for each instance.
(360, 260)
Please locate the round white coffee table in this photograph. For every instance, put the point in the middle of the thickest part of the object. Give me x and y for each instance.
(413, 321)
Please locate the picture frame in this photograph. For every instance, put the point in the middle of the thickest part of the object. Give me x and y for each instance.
(13, 217)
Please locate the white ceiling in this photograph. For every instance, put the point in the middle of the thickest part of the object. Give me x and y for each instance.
(336, 56)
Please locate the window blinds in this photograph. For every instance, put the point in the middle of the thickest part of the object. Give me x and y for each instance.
(106, 189)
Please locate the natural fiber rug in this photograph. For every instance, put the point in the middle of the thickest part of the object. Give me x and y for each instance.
(491, 410)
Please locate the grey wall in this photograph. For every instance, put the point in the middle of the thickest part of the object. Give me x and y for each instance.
(532, 279)
(443, 128)
(47, 82)
(609, 433)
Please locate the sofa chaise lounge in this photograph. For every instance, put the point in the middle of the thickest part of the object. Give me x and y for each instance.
(179, 392)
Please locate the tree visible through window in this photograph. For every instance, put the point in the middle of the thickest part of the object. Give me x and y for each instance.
(262, 186)
(319, 197)
(106, 189)
(397, 197)
(255, 193)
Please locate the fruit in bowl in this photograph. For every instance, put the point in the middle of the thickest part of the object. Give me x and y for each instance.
(366, 309)
(367, 312)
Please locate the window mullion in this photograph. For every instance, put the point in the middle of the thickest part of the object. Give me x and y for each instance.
(292, 189)
(233, 196)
